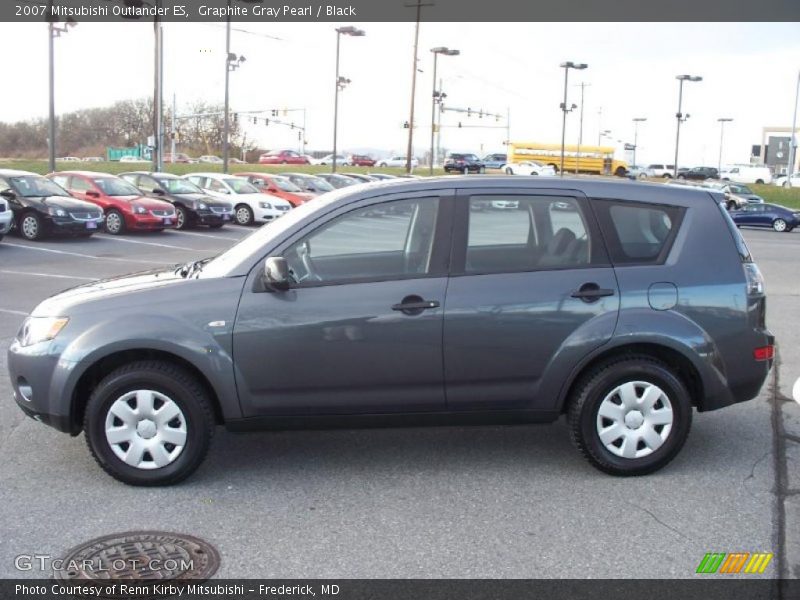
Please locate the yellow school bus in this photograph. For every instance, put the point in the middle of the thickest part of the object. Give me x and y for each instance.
(592, 159)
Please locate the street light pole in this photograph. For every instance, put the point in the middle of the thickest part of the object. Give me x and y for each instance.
(340, 83)
(226, 117)
(722, 122)
(583, 85)
(679, 115)
(567, 66)
(436, 96)
(54, 31)
(636, 121)
(793, 137)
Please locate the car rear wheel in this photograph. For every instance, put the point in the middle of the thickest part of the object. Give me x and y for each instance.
(31, 226)
(115, 222)
(509, 171)
(244, 214)
(667, 176)
(149, 423)
(630, 415)
(779, 225)
(760, 181)
(731, 205)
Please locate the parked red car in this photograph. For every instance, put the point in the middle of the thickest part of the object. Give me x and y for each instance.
(279, 186)
(124, 206)
(283, 157)
(360, 160)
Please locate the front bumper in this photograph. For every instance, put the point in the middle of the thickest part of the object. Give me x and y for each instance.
(40, 372)
(71, 226)
(270, 214)
(151, 223)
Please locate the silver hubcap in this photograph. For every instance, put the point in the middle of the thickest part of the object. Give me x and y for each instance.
(146, 429)
(779, 225)
(243, 215)
(113, 223)
(30, 227)
(634, 419)
(180, 218)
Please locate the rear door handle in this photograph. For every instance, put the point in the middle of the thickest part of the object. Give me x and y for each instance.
(589, 292)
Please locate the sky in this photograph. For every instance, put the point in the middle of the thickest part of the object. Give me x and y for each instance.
(749, 72)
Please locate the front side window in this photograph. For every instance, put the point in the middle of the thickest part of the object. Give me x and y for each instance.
(115, 187)
(391, 240)
(638, 233)
(77, 184)
(241, 186)
(508, 233)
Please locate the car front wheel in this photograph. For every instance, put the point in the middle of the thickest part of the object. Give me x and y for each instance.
(31, 226)
(115, 222)
(630, 415)
(779, 225)
(149, 423)
(244, 214)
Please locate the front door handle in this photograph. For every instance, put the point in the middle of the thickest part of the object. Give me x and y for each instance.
(591, 292)
(414, 305)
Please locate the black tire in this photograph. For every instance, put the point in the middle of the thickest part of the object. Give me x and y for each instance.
(182, 388)
(31, 226)
(243, 214)
(667, 176)
(760, 181)
(117, 220)
(592, 389)
(780, 225)
(182, 220)
(731, 205)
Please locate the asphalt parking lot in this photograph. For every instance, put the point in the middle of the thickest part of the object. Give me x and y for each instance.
(448, 502)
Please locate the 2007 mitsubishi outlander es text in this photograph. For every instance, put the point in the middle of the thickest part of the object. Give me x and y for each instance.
(624, 306)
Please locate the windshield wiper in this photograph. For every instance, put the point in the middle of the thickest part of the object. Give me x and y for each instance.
(191, 268)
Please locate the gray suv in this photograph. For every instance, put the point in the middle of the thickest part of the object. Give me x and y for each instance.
(622, 306)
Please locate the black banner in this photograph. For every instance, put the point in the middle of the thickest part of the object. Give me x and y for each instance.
(701, 588)
(295, 11)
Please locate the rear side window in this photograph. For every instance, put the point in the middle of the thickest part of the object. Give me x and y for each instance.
(638, 233)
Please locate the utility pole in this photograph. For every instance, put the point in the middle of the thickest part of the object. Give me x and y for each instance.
(418, 5)
(436, 96)
(722, 122)
(227, 118)
(173, 130)
(565, 109)
(636, 121)
(583, 85)
(793, 137)
(680, 116)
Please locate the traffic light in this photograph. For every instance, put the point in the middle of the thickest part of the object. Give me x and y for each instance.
(266, 122)
(405, 125)
(255, 120)
(469, 112)
(459, 124)
(235, 118)
(274, 113)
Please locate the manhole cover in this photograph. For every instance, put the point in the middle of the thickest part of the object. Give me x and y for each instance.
(139, 557)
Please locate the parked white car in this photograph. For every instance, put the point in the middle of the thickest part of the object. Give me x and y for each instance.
(249, 205)
(661, 170)
(397, 161)
(210, 159)
(746, 174)
(529, 167)
(328, 160)
(6, 217)
(783, 180)
(133, 159)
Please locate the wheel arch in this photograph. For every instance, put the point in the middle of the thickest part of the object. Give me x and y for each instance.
(104, 365)
(684, 367)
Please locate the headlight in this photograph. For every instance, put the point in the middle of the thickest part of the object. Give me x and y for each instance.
(40, 329)
(265, 205)
(202, 205)
(58, 212)
(139, 210)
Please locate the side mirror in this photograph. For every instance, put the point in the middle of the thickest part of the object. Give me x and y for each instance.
(8, 194)
(276, 273)
(92, 194)
(159, 192)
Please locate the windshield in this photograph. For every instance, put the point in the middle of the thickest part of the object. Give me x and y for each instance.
(116, 187)
(241, 186)
(741, 189)
(30, 186)
(251, 247)
(285, 185)
(179, 186)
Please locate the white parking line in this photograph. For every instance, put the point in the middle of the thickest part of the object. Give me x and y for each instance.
(13, 312)
(53, 275)
(205, 235)
(111, 258)
(119, 239)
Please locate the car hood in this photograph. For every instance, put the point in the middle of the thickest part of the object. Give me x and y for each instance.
(68, 301)
(197, 197)
(148, 203)
(65, 202)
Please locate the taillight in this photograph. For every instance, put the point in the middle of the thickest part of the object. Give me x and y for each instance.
(755, 280)
(764, 353)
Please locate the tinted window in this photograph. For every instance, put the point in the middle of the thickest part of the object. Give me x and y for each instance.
(61, 180)
(638, 233)
(147, 184)
(524, 233)
(384, 241)
(77, 184)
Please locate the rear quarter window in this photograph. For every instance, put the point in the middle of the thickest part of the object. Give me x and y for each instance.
(638, 233)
